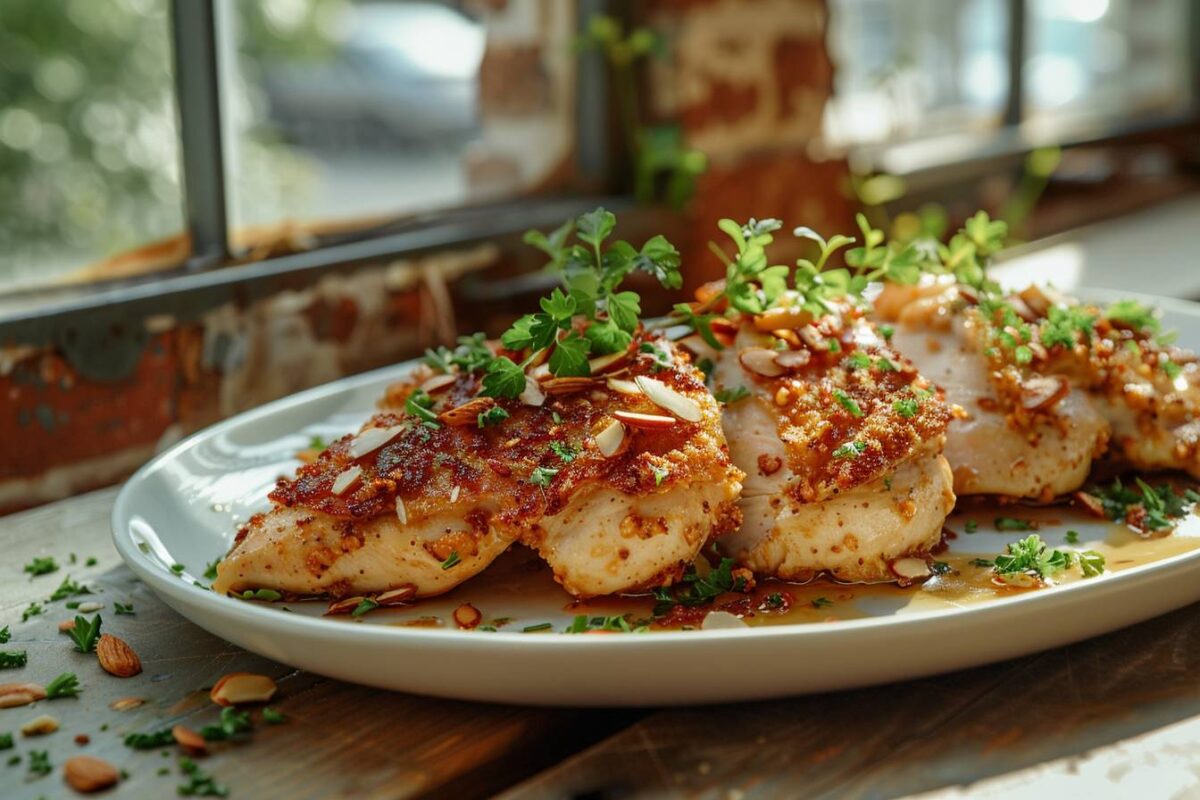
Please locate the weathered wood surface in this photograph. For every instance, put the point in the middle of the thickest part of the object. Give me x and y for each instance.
(1117, 716)
(340, 740)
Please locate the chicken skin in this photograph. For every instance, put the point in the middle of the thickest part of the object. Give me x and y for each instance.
(1048, 386)
(617, 480)
(840, 439)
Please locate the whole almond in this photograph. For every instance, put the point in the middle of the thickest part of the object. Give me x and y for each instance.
(189, 739)
(242, 687)
(66, 625)
(20, 694)
(117, 657)
(87, 774)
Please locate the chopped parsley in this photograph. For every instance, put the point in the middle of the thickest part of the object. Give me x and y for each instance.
(316, 443)
(857, 360)
(273, 717)
(1031, 556)
(850, 450)
(365, 605)
(6, 741)
(493, 416)
(150, 741)
(5, 635)
(542, 476)
(731, 396)
(940, 568)
(906, 407)
(178, 568)
(542, 626)
(566, 454)
(210, 570)
(1148, 508)
(471, 355)
(821, 602)
(266, 595)
(1133, 314)
(1013, 524)
(199, 783)
(1091, 562)
(660, 357)
(419, 404)
(1072, 537)
(660, 474)
(620, 624)
(229, 724)
(970, 526)
(774, 600)
(12, 659)
(847, 402)
(696, 589)
(42, 566)
(68, 588)
(123, 610)
(39, 762)
(31, 610)
(65, 685)
(451, 560)
(85, 633)
(887, 332)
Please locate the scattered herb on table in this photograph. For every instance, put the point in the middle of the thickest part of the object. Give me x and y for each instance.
(123, 610)
(273, 717)
(41, 566)
(31, 610)
(85, 633)
(65, 685)
(13, 659)
(5, 635)
(199, 783)
(68, 588)
(39, 762)
(150, 741)
(1014, 524)
(229, 724)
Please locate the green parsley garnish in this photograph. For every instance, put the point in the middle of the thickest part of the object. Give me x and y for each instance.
(1133, 314)
(12, 659)
(661, 358)
(31, 610)
(68, 588)
(419, 404)
(582, 624)
(273, 717)
(542, 476)
(858, 360)
(365, 605)
(150, 741)
(906, 407)
(660, 474)
(1149, 508)
(850, 450)
(229, 724)
(847, 402)
(1171, 369)
(123, 610)
(1031, 556)
(5, 635)
(1013, 524)
(42, 566)
(65, 685)
(178, 568)
(821, 602)
(566, 454)
(774, 600)
(493, 416)
(316, 443)
(970, 526)
(542, 626)
(887, 332)
(940, 568)
(1072, 537)
(698, 589)
(199, 783)
(451, 560)
(1091, 563)
(85, 633)
(210, 570)
(39, 762)
(471, 355)
(6, 741)
(731, 396)
(91, 562)
(266, 595)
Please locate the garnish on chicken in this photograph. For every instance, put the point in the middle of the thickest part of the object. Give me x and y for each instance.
(581, 435)
(838, 434)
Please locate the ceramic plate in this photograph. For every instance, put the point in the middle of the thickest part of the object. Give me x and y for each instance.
(183, 507)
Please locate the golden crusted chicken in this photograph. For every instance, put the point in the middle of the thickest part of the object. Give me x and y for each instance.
(1048, 385)
(616, 479)
(840, 439)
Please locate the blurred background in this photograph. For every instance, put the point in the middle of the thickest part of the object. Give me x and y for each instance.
(205, 204)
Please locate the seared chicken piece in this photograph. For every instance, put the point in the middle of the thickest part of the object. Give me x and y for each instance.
(840, 439)
(1047, 386)
(617, 480)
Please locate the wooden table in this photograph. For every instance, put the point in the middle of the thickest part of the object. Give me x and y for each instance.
(1118, 716)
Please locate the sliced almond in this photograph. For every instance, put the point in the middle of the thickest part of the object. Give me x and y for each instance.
(813, 339)
(911, 569)
(438, 382)
(601, 363)
(648, 421)
(66, 625)
(467, 616)
(343, 606)
(87, 774)
(187, 738)
(541, 370)
(116, 657)
(762, 361)
(372, 439)
(721, 620)
(126, 703)
(662, 395)
(567, 385)
(242, 687)
(466, 414)
(1092, 504)
(454, 493)
(725, 330)
(608, 441)
(88, 608)
(1043, 392)
(533, 394)
(623, 386)
(789, 317)
(40, 726)
(401, 510)
(20, 694)
(793, 359)
(791, 337)
(347, 480)
(397, 597)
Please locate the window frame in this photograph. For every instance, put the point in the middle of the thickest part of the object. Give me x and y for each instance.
(208, 277)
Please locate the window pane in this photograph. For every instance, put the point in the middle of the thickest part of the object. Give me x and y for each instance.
(1106, 57)
(912, 68)
(339, 111)
(88, 141)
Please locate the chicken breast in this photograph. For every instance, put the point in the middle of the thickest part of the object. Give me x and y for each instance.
(1048, 386)
(617, 480)
(840, 440)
